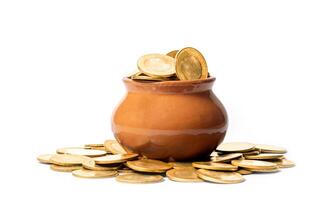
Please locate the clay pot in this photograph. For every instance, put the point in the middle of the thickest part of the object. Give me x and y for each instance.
(170, 120)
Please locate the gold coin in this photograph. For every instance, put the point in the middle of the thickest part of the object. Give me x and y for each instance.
(148, 78)
(114, 147)
(236, 147)
(125, 171)
(91, 165)
(186, 174)
(244, 171)
(251, 153)
(254, 164)
(112, 159)
(177, 165)
(44, 158)
(156, 65)
(284, 163)
(270, 148)
(81, 151)
(85, 173)
(226, 157)
(264, 156)
(215, 166)
(59, 168)
(148, 165)
(220, 177)
(264, 170)
(172, 53)
(190, 64)
(67, 159)
(139, 178)
(93, 145)
(134, 73)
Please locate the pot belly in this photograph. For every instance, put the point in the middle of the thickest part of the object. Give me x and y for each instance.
(170, 127)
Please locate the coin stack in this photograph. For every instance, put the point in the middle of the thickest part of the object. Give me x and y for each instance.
(227, 164)
(185, 64)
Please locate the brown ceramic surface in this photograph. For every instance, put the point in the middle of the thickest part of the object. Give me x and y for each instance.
(170, 120)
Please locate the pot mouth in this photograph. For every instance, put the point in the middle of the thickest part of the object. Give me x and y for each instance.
(170, 82)
(174, 86)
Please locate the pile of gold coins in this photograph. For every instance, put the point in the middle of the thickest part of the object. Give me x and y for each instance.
(185, 64)
(227, 164)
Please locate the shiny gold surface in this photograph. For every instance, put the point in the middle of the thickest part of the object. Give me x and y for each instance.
(84, 173)
(186, 174)
(156, 65)
(91, 165)
(44, 158)
(148, 165)
(236, 147)
(244, 172)
(114, 147)
(254, 164)
(190, 64)
(220, 177)
(226, 157)
(59, 168)
(264, 156)
(172, 53)
(215, 166)
(264, 148)
(112, 159)
(67, 159)
(81, 151)
(139, 178)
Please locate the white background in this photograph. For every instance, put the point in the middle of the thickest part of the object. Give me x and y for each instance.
(61, 65)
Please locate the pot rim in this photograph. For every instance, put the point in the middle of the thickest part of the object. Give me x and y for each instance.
(210, 79)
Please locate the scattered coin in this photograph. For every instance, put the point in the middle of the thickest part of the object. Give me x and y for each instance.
(139, 178)
(125, 171)
(44, 158)
(67, 159)
(177, 165)
(190, 64)
(264, 156)
(254, 164)
(245, 158)
(244, 171)
(91, 165)
(284, 163)
(93, 145)
(251, 153)
(81, 151)
(226, 157)
(220, 177)
(112, 159)
(85, 173)
(215, 166)
(264, 170)
(172, 53)
(148, 165)
(183, 175)
(270, 148)
(236, 147)
(59, 168)
(156, 65)
(114, 147)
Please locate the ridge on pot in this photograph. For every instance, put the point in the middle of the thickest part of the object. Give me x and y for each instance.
(170, 120)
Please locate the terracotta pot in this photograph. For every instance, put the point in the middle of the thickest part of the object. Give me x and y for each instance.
(170, 120)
